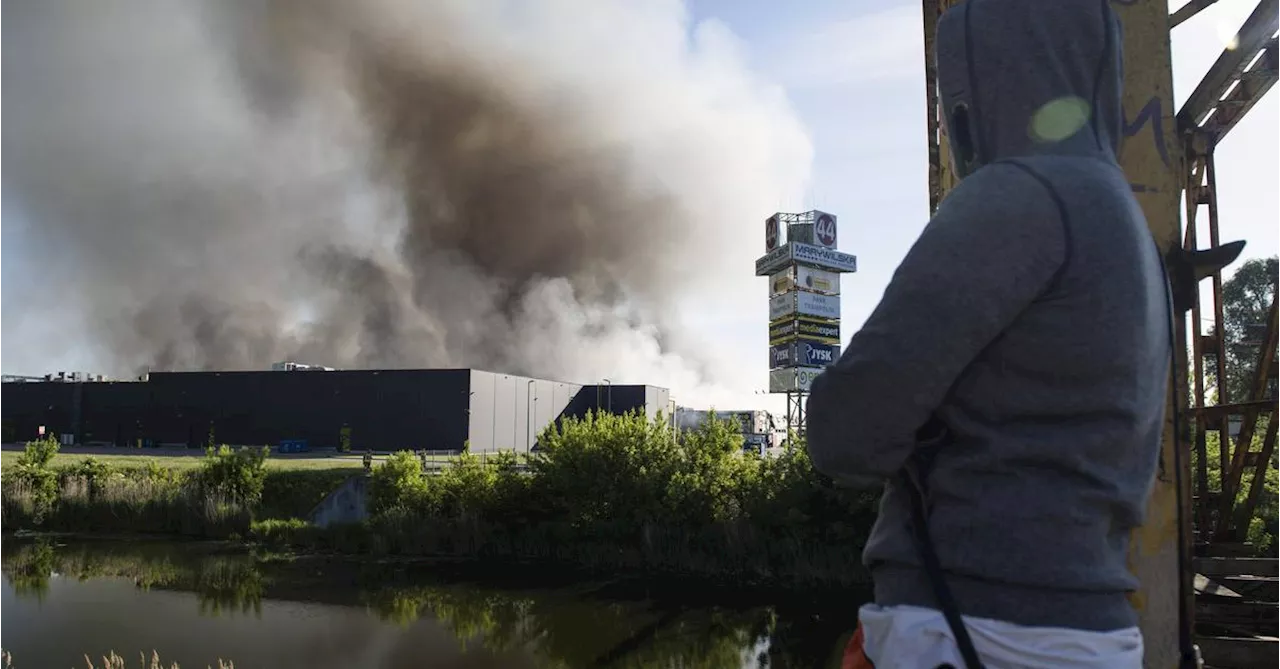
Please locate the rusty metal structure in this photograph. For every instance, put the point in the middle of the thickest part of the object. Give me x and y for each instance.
(1194, 527)
(796, 414)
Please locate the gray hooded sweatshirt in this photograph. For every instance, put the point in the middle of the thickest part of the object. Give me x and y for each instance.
(1027, 328)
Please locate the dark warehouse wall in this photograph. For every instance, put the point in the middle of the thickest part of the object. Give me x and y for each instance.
(27, 406)
(114, 413)
(433, 409)
(384, 409)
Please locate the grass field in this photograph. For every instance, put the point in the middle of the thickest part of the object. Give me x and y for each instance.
(184, 459)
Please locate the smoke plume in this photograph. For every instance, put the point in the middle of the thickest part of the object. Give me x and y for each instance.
(561, 189)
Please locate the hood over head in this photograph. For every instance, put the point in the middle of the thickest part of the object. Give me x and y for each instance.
(1019, 78)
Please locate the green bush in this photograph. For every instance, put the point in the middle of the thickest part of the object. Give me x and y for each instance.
(38, 453)
(465, 488)
(606, 470)
(1265, 523)
(604, 492)
(611, 475)
(610, 492)
(235, 474)
(30, 494)
(398, 483)
(93, 472)
(33, 483)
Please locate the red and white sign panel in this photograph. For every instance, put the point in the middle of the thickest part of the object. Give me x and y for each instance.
(771, 233)
(824, 230)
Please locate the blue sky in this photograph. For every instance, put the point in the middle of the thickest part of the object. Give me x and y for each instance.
(864, 110)
(852, 76)
(854, 73)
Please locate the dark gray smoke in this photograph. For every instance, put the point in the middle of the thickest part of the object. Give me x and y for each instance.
(542, 188)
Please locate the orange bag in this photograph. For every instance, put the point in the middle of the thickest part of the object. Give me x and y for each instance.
(854, 656)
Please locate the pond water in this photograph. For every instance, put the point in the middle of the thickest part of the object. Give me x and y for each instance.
(197, 603)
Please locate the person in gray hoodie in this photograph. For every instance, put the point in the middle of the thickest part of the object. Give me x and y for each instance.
(1017, 364)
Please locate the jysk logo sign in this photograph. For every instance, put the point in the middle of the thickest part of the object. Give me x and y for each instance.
(816, 354)
(806, 352)
(781, 356)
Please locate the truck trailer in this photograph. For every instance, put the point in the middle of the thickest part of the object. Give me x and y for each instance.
(758, 429)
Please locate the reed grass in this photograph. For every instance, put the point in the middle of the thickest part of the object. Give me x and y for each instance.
(112, 660)
(121, 504)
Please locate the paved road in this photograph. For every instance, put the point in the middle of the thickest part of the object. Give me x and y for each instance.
(117, 450)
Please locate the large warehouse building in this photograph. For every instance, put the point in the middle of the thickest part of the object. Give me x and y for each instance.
(432, 409)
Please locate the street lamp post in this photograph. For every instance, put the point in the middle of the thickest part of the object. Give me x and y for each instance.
(470, 400)
(528, 424)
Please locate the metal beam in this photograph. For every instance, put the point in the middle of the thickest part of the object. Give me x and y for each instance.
(1188, 10)
(942, 177)
(1253, 84)
(1217, 412)
(1216, 567)
(1238, 651)
(1249, 63)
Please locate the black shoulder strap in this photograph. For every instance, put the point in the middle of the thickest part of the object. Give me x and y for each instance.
(914, 482)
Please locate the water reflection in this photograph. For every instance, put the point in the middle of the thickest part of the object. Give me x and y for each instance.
(223, 582)
(260, 611)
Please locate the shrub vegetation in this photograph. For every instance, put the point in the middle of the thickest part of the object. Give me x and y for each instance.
(93, 497)
(602, 492)
(1263, 526)
(608, 492)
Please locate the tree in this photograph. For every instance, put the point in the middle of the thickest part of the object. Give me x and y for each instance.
(1246, 305)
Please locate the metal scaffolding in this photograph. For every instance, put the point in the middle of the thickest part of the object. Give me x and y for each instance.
(1233, 85)
(795, 414)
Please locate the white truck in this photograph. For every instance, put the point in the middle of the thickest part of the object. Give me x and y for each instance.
(290, 366)
(759, 431)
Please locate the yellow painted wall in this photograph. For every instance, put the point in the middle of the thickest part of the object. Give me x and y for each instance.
(1151, 156)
